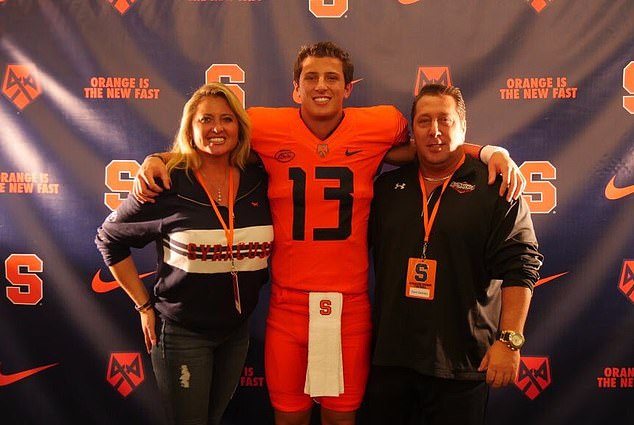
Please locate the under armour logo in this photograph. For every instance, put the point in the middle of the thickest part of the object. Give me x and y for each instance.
(399, 186)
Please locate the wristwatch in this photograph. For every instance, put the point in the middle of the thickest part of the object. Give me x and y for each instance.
(513, 340)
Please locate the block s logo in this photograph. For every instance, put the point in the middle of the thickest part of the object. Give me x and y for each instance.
(328, 8)
(28, 288)
(628, 85)
(540, 193)
(421, 272)
(119, 179)
(325, 307)
(229, 74)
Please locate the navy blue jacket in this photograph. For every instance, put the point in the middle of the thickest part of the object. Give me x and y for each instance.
(193, 286)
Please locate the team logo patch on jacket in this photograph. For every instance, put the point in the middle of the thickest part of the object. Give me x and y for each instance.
(462, 187)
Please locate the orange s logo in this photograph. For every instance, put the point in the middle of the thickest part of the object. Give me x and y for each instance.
(231, 71)
(628, 85)
(119, 178)
(28, 288)
(325, 307)
(328, 9)
(540, 193)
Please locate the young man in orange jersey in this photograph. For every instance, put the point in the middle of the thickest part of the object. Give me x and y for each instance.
(321, 159)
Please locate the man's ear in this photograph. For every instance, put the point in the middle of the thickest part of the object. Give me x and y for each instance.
(347, 90)
(296, 97)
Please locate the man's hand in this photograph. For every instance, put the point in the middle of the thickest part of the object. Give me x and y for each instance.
(513, 182)
(145, 188)
(501, 365)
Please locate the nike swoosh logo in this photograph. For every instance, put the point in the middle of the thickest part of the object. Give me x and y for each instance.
(350, 153)
(15, 377)
(358, 80)
(101, 286)
(548, 279)
(407, 1)
(612, 192)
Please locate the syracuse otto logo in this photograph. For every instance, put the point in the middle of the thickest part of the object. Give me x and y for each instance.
(125, 372)
(122, 6)
(20, 84)
(533, 376)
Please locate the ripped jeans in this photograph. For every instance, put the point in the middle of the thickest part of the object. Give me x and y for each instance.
(197, 375)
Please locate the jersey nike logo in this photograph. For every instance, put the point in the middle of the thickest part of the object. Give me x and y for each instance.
(612, 192)
(350, 153)
(548, 279)
(15, 377)
(101, 286)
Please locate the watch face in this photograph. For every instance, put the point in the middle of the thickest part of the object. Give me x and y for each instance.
(516, 340)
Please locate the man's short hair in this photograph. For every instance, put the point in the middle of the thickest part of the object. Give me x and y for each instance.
(441, 90)
(324, 49)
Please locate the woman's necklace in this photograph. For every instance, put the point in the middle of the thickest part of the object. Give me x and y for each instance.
(219, 189)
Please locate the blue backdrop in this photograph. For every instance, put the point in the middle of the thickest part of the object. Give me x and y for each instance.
(90, 87)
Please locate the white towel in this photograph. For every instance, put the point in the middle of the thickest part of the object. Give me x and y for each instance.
(324, 375)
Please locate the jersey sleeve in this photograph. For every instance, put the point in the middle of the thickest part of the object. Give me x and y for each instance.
(402, 132)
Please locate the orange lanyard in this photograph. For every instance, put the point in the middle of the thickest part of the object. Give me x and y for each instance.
(428, 220)
(228, 233)
(228, 229)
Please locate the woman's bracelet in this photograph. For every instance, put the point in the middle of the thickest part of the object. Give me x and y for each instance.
(141, 308)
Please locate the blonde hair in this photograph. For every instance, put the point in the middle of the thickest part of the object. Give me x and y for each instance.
(185, 155)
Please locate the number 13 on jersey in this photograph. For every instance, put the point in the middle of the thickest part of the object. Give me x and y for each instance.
(421, 279)
(342, 194)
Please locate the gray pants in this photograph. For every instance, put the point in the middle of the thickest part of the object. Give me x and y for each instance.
(197, 375)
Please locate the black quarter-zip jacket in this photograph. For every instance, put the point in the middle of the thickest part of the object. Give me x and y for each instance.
(481, 243)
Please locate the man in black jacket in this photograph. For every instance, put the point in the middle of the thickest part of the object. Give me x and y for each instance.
(455, 268)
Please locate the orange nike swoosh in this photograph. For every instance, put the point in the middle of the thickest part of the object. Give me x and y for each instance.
(612, 192)
(407, 1)
(15, 377)
(101, 286)
(548, 279)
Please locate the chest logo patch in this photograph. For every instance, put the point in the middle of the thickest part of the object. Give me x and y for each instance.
(284, 155)
(462, 187)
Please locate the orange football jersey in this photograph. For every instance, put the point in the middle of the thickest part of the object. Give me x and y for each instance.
(320, 193)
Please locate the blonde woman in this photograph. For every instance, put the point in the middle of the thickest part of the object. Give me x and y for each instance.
(213, 237)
